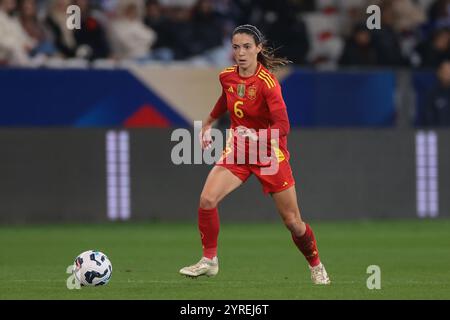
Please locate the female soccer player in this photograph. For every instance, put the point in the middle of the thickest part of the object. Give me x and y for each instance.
(253, 97)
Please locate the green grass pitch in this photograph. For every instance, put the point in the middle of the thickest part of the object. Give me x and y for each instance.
(257, 261)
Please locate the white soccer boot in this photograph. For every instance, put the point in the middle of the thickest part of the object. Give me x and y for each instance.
(319, 274)
(205, 267)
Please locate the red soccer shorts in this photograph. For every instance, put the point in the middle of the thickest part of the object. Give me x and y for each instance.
(277, 182)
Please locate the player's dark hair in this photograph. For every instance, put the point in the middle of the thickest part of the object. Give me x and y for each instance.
(267, 55)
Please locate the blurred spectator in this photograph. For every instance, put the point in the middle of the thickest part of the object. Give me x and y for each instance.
(359, 49)
(178, 3)
(91, 39)
(227, 13)
(286, 30)
(15, 44)
(439, 14)
(35, 29)
(260, 12)
(108, 7)
(435, 51)
(282, 25)
(207, 32)
(396, 41)
(303, 5)
(386, 39)
(196, 30)
(133, 38)
(63, 38)
(181, 32)
(158, 22)
(437, 112)
(408, 15)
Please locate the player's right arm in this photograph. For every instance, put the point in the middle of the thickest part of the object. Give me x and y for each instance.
(220, 108)
(205, 133)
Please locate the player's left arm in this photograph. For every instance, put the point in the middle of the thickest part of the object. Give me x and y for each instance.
(279, 118)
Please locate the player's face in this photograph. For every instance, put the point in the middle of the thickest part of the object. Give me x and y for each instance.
(245, 50)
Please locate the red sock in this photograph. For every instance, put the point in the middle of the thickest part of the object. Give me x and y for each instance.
(208, 224)
(308, 246)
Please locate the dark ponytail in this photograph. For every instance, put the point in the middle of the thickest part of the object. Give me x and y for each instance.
(267, 55)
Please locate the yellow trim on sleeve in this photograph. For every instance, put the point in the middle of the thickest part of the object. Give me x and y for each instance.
(269, 85)
(268, 77)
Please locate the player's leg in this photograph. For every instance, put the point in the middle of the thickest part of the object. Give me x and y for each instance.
(302, 234)
(220, 182)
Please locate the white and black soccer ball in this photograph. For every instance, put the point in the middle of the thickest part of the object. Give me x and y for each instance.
(92, 268)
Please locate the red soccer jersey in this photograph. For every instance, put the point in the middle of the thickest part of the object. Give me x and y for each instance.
(252, 102)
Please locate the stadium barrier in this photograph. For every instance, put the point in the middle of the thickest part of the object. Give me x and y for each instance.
(95, 175)
(175, 96)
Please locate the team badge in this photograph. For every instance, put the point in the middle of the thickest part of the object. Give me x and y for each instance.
(241, 90)
(251, 92)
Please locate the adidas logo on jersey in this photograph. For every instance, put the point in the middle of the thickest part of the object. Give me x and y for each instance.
(230, 89)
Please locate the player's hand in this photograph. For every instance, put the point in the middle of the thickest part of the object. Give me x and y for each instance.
(205, 137)
(246, 132)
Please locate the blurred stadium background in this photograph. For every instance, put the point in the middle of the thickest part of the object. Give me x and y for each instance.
(86, 118)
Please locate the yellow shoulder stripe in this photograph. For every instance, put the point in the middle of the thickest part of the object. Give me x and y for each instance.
(268, 77)
(265, 80)
(227, 71)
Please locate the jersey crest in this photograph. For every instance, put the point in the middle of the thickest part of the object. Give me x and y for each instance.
(241, 90)
(251, 92)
